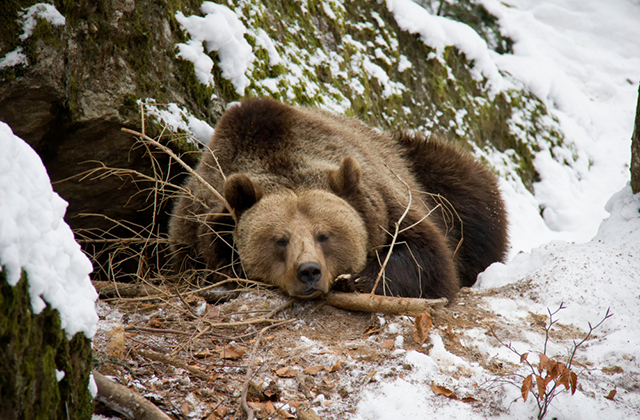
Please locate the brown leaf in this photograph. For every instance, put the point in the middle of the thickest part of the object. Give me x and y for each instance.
(335, 367)
(369, 376)
(231, 352)
(552, 370)
(542, 386)
(523, 357)
(611, 394)
(543, 363)
(287, 372)
(313, 370)
(526, 387)
(574, 382)
(387, 344)
(440, 390)
(421, 327)
(269, 408)
(468, 400)
(564, 378)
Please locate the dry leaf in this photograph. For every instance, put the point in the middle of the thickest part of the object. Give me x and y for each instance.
(573, 380)
(440, 390)
(335, 367)
(369, 376)
(388, 344)
(232, 352)
(287, 372)
(542, 386)
(269, 408)
(523, 357)
(526, 387)
(564, 378)
(421, 327)
(294, 403)
(543, 363)
(552, 370)
(313, 370)
(256, 405)
(611, 394)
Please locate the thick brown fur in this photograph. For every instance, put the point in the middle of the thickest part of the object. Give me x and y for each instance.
(317, 195)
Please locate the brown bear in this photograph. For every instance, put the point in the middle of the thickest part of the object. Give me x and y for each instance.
(312, 196)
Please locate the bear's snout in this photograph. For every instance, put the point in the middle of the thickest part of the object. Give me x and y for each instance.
(309, 273)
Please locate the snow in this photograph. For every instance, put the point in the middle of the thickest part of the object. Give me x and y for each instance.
(39, 11)
(34, 237)
(29, 20)
(179, 119)
(220, 30)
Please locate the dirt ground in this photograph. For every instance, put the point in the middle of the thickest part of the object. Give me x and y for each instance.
(190, 357)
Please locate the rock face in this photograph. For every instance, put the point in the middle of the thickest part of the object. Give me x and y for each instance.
(34, 348)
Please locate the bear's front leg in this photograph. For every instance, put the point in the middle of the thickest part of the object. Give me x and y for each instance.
(420, 266)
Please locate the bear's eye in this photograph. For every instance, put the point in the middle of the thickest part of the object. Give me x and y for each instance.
(322, 237)
(281, 242)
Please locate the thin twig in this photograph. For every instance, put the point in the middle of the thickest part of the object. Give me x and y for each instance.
(184, 165)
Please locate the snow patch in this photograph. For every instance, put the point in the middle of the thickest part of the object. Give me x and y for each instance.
(35, 237)
(219, 30)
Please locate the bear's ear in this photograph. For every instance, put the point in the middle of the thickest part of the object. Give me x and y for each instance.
(241, 193)
(346, 179)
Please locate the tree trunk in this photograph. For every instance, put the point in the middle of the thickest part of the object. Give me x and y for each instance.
(635, 151)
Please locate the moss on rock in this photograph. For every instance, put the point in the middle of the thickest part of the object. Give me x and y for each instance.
(33, 348)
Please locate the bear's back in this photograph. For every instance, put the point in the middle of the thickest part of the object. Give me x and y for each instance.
(283, 147)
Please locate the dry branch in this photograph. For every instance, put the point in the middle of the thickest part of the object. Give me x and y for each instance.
(177, 363)
(125, 401)
(110, 289)
(175, 157)
(365, 302)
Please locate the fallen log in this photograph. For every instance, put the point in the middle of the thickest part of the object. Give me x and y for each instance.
(126, 401)
(366, 302)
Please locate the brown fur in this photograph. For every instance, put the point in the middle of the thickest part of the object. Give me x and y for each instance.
(317, 195)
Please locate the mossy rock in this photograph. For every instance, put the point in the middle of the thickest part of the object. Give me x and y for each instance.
(33, 348)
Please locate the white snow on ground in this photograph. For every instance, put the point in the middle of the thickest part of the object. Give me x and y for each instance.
(35, 237)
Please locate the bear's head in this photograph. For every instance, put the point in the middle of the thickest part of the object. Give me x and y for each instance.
(299, 240)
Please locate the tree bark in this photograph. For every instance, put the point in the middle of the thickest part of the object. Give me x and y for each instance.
(635, 151)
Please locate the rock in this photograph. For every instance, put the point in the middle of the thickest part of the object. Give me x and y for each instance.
(34, 350)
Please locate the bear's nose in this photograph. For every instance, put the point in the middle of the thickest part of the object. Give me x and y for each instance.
(309, 272)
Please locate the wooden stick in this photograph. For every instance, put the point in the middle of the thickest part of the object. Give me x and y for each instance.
(126, 401)
(366, 302)
(177, 363)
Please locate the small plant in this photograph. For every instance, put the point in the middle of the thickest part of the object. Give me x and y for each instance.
(550, 375)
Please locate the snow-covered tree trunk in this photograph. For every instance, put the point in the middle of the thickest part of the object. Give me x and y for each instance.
(635, 151)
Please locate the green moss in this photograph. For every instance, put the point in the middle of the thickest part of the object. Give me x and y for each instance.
(34, 346)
